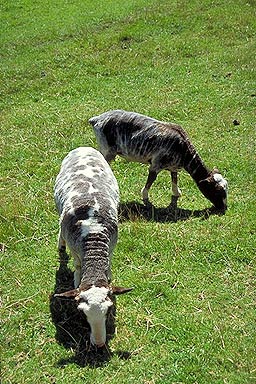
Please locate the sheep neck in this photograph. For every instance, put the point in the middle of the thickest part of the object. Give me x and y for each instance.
(194, 165)
(96, 259)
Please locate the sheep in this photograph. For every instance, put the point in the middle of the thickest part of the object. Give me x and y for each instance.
(86, 195)
(165, 146)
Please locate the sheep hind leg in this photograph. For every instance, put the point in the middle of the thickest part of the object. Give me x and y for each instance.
(62, 250)
(109, 156)
(61, 243)
(152, 175)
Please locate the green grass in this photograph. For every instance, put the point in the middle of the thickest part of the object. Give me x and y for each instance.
(191, 315)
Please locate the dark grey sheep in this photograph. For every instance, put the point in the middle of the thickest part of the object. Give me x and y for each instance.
(162, 145)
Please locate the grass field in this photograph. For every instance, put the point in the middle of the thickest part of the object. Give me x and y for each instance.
(191, 315)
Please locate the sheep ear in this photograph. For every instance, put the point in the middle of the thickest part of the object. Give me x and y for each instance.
(215, 170)
(69, 294)
(120, 290)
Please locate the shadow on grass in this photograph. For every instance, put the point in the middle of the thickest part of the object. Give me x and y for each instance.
(72, 328)
(133, 210)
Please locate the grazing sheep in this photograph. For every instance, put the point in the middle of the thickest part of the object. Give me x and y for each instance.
(87, 196)
(162, 145)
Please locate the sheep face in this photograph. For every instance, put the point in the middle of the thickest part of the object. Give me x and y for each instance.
(215, 188)
(95, 303)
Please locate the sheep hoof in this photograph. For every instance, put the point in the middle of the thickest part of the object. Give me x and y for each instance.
(62, 249)
(146, 202)
(174, 201)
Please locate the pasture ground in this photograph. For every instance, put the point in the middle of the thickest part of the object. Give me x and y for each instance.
(191, 315)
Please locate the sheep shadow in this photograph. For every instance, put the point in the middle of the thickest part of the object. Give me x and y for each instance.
(72, 328)
(133, 210)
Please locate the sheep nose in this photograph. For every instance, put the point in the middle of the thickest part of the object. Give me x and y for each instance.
(99, 343)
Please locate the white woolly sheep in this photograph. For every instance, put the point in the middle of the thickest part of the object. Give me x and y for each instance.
(87, 196)
(162, 145)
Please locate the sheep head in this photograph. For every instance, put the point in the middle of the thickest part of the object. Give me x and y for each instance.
(215, 189)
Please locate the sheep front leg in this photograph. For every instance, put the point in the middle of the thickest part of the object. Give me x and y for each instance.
(78, 270)
(152, 175)
(175, 189)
